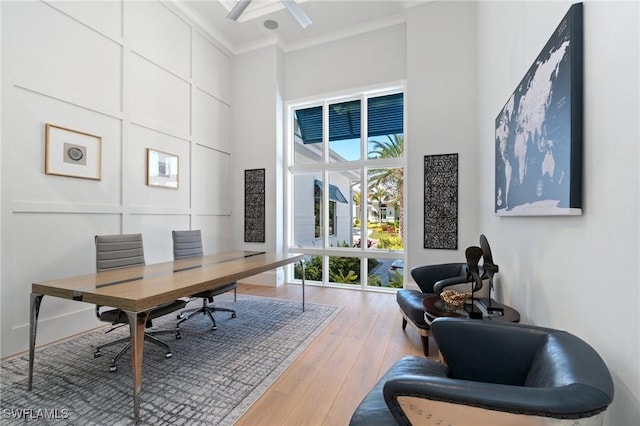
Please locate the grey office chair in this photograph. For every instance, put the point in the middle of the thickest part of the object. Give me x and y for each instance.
(124, 251)
(189, 244)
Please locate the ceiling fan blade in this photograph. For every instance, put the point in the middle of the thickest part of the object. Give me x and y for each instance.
(297, 13)
(237, 10)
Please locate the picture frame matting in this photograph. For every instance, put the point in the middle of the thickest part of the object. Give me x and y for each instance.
(162, 169)
(72, 153)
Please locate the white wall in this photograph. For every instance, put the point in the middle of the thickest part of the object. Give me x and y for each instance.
(265, 78)
(139, 75)
(257, 130)
(1, 178)
(258, 145)
(442, 118)
(374, 58)
(574, 273)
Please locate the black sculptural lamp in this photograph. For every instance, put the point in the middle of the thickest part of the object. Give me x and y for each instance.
(490, 269)
(473, 254)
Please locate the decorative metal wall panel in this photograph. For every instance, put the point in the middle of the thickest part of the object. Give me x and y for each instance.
(254, 206)
(441, 201)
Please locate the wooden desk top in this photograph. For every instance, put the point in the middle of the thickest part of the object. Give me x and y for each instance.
(141, 288)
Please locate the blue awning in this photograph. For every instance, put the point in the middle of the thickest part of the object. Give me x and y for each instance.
(334, 192)
(385, 116)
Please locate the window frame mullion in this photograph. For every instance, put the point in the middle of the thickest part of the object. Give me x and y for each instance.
(325, 169)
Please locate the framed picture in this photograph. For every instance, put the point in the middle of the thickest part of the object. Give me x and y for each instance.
(72, 153)
(538, 132)
(162, 169)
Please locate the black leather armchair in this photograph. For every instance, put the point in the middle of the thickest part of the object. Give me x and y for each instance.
(432, 280)
(496, 373)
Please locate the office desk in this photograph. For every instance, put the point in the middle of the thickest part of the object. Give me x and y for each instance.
(137, 290)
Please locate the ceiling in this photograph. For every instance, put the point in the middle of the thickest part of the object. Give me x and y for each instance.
(331, 20)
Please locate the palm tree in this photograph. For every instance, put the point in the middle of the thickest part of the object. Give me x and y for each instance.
(392, 148)
(392, 180)
(357, 199)
(377, 194)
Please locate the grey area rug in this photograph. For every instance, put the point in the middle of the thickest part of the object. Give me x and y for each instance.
(212, 378)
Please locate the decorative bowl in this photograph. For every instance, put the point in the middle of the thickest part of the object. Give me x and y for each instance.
(453, 298)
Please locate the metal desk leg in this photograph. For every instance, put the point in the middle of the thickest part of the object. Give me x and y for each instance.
(36, 299)
(302, 263)
(137, 322)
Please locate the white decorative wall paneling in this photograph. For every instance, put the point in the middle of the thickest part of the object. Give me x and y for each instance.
(140, 75)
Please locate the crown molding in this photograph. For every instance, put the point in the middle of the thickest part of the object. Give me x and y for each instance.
(258, 44)
(216, 36)
(219, 39)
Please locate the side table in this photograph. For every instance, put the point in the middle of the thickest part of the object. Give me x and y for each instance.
(434, 307)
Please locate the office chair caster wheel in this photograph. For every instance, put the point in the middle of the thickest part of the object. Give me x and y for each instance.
(233, 315)
(214, 327)
(178, 335)
(179, 316)
(168, 355)
(97, 353)
(113, 369)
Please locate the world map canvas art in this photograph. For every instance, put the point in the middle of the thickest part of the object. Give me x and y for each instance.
(538, 138)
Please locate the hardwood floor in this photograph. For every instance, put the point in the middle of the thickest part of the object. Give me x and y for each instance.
(328, 380)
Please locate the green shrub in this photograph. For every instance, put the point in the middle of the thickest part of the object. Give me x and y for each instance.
(371, 263)
(341, 269)
(391, 243)
(374, 281)
(387, 227)
(395, 281)
(312, 269)
(340, 277)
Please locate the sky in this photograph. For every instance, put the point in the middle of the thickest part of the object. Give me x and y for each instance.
(349, 149)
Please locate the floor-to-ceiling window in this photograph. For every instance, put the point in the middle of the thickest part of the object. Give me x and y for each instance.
(346, 190)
